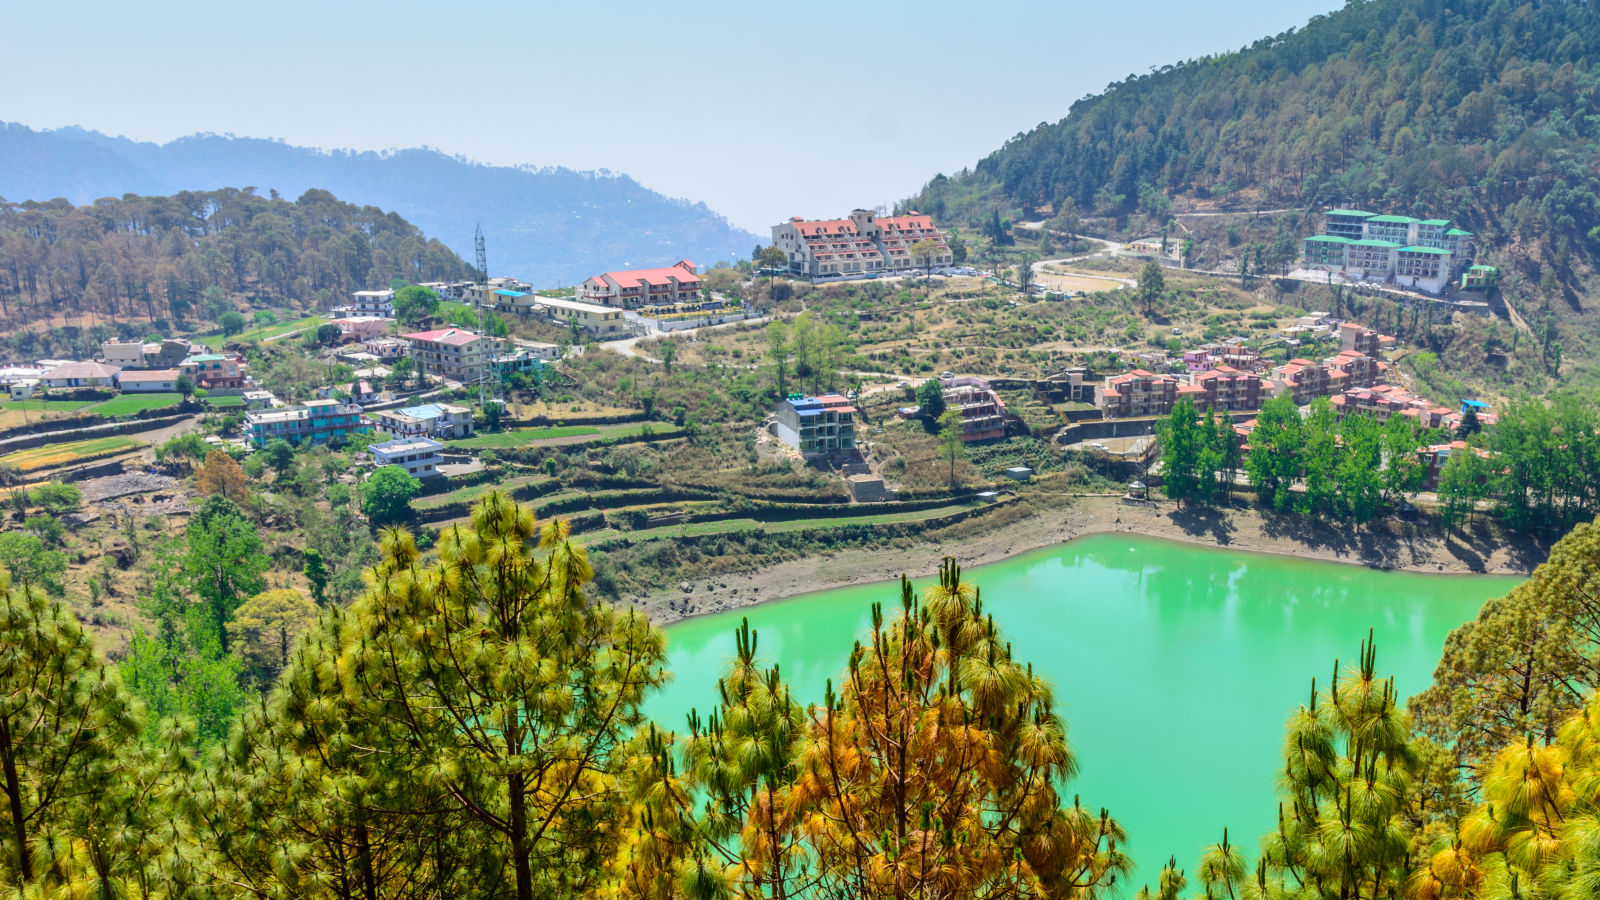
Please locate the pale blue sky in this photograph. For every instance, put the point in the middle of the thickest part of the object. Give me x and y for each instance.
(762, 110)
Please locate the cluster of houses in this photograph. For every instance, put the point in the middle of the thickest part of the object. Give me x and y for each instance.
(131, 367)
(862, 244)
(824, 426)
(1229, 375)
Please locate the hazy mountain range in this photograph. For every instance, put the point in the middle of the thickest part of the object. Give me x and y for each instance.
(548, 225)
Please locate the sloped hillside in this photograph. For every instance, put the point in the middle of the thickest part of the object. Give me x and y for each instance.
(547, 225)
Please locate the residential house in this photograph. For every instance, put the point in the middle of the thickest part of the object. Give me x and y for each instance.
(418, 456)
(23, 388)
(214, 371)
(361, 328)
(1304, 379)
(312, 422)
(81, 375)
(453, 353)
(259, 400)
(386, 348)
(1199, 360)
(1223, 388)
(369, 303)
(862, 244)
(817, 426)
(1358, 369)
(1137, 393)
(636, 288)
(983, 413)
(127, 354)
(1363, 340)
(438, 420)
(148, 381)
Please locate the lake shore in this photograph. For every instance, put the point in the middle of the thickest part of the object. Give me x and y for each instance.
(1390, 545)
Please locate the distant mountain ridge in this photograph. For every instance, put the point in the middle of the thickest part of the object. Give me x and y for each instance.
(547, 225)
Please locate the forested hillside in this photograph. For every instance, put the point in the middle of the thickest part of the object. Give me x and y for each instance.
(548, 225)
(1485, 111)
(198, 254)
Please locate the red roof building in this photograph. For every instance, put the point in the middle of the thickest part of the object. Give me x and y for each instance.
(865, 243)
(635, 288)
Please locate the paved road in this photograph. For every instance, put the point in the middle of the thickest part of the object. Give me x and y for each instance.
(626, 346)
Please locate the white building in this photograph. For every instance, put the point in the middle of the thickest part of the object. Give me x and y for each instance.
(862, 244)
(432, 420)
(123, 353)
(591, 318)
(418, 456)
(81, 375)
(1420, 254)
(361, 327)
(23, 388)
(369, 303)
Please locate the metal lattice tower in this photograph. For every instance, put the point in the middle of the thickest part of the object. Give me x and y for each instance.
(489, 379)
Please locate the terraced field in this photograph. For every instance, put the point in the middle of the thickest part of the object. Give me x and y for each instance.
(63, 454)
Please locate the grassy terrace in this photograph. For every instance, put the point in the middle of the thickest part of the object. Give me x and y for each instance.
(264, 332)
(62, 454)
(603, 536)
(130, 404)
(473, 492)
(534, 437)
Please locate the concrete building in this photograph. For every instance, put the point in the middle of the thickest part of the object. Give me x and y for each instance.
(817, 426)
(127, 354)
(312, 422)
(213, 371)
(80, 375)
(386, 348)
(453, 353)
(604, 322)
(369, 303)
(1137, 393)
(163, 381)
(1223, 388)
(1363, 340)
(361, 328)
(636, 288)
(1384, 401)
(418, 456)
(864, 243)
(433, 420)
(983, 413)
(1420, 254)
(259, 400)
(1303, 379)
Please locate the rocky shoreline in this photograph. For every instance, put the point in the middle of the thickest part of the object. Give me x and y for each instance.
(1387, 545)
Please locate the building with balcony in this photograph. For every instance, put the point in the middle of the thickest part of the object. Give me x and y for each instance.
(817, 426)
(453, 353)
(1303, 379)
(418, 456)
(1223, 388)
(214, 371)
(312, 422)
(983, 413)
(864, 243)
(434, 420)
(1363, 340)
(638, 288)
(361, 328)
(1358, 369)
(368, 303)
(1137, 393)
(1420, 254)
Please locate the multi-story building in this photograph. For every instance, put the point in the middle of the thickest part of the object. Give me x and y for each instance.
(1383, 401)
(148, 381)
(1363, 340)
(1223, 388)
(983, 413)
(1358, 369)
(862, 244)
(369, 303)
(127, 354)
(386, 348)
(214, 371)
(817, 426)
(418, 456)
(163, 354)
(453, 353)
(678, 283)
(1304, 379)
(361, 328)
(1423, 254)
(1137, 393)
(435, 420)
(312, 422)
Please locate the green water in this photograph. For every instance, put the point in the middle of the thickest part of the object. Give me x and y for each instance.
(1175, 666)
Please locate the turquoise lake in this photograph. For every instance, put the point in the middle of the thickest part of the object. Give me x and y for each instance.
(1174, 666)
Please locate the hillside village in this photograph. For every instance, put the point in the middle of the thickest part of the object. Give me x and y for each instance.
(541, 391)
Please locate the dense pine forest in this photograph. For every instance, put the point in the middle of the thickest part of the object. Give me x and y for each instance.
(472, 725)
(198, 254)
(1485, 111)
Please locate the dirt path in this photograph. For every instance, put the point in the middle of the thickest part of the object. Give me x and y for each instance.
(1399, 548)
